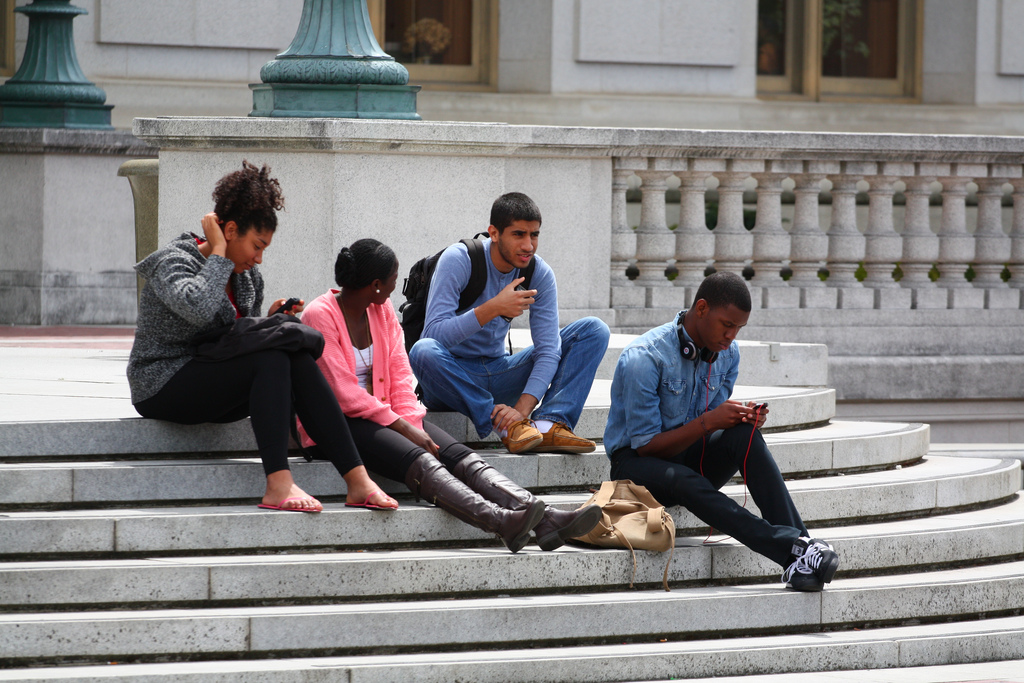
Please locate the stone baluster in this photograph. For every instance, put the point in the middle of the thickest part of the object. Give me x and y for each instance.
(695, 244)
(624, 293)
(992, 246)
(771, 247)
(623, 247)
(956, 245)
(883, 246)
(846, 244)
(1016, 265)
(920, 246)
(809, 243)
(655, 244)
(733, 242)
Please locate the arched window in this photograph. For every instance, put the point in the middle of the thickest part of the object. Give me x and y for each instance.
(839, 49)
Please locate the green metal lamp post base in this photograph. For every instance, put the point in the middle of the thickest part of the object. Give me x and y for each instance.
(56, 115)
(334, 67)
(49, 90)
(325, 100)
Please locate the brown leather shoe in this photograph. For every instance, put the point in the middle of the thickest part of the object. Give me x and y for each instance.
(522, 436)
(560, 439)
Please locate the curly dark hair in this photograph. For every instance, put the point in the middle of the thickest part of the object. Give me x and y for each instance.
(362, 263)
(722, 289)
(250, 198)
(511, 207)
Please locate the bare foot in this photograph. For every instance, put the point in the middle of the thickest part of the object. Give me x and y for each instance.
(284, 493)
(363, 491)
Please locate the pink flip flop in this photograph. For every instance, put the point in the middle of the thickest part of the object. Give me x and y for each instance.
(372, 506)
(284, 509)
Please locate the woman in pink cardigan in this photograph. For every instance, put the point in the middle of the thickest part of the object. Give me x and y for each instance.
(365, 362)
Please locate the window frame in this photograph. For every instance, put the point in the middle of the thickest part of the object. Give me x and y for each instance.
(7, 56)
(480, 74)
(805, 80)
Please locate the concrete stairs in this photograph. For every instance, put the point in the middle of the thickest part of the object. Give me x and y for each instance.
(132, 542)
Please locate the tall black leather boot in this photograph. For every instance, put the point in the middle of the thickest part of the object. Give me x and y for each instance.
(429, 479)
(554, 528)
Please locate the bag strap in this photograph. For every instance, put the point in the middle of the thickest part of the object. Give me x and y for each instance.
(654, 519)
(622, 538)
(604, 495)
(477, 274)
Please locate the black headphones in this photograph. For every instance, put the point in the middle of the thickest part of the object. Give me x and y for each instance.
(688, 349)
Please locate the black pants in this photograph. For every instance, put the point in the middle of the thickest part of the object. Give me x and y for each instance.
(679, 481)
(389, 454)
(262, 385)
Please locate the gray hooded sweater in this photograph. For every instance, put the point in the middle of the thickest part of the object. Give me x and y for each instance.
(184, 295)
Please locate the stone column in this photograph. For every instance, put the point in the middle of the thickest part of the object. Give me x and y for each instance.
(992, 246)
(883, 246)
(1017, 239)
(695, 244)
(655, 244)
(623, 246)
(771, 247)
(846, 245)
(956, 246)
(733, 242)
(920, 246)
(809, 244)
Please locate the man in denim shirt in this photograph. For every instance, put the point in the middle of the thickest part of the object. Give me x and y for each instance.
(673, 429)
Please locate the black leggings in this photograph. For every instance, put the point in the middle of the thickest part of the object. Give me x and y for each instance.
(389, 454)
(262, 385)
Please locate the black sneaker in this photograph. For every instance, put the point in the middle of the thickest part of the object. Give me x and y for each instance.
(815, 564)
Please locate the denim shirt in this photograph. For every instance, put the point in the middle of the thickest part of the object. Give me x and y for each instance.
(656, 390)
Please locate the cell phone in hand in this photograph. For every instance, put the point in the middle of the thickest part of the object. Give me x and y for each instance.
(289, 305)
(759, 406)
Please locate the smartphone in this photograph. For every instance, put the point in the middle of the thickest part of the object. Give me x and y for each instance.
(759, 407)
(289, 305)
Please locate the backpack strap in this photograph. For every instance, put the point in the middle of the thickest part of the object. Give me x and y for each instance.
(527, 272)
(477, 276)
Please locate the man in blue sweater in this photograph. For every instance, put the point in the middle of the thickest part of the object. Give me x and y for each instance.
(461, 361)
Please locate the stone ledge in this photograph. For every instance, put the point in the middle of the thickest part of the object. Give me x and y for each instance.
(73, 141)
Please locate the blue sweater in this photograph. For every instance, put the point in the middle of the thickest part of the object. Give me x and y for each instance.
(463, 335)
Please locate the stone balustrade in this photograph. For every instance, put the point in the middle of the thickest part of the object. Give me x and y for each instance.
(657, 266)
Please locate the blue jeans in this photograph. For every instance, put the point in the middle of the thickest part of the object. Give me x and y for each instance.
(472, 386)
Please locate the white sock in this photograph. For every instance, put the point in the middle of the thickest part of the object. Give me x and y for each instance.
(544, 426)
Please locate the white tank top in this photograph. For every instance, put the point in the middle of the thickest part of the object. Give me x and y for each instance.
(364, 364)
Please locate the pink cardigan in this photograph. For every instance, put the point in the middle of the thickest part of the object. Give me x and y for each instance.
(393, 396)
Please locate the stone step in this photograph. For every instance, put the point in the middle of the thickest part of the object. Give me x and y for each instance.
(789, 408)
(989, 534)
(858, 652)
(838, 446)
(765, 363)
(124, 432)
(512, 621)
(936, 485)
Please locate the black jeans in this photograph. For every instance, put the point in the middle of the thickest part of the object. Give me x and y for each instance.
(679, 481)
(263, 385)
(389, 454)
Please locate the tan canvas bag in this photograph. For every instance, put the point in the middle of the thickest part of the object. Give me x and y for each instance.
(632, 519)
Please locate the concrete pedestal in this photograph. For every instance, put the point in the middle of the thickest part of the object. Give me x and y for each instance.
(67, 243)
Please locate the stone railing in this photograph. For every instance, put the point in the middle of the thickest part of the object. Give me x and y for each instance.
(823, 264)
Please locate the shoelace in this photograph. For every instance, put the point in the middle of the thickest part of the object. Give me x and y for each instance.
(805, 564)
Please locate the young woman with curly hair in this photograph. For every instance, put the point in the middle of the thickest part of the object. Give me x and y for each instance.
(366, 365)
(194, 285)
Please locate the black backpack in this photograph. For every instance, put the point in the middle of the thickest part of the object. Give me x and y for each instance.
(417, 287)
